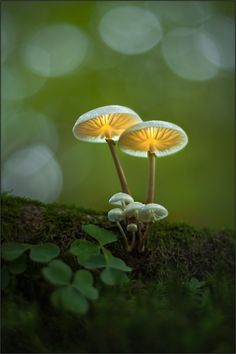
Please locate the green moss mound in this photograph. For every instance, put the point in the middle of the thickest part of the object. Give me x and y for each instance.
(180, 297)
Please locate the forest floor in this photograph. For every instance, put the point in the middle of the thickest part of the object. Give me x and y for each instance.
(180, 297)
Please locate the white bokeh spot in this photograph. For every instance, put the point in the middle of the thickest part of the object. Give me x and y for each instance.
(130, 29)
(185, 52)
(56, 50)
(33, 172)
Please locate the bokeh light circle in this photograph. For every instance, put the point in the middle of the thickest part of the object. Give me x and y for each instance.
(33, 172)
(19, 83)
(182, 13)
(56, 50)
(130, 29)
(34, 127)
(221, 29)
(8, 35)
(184, 50)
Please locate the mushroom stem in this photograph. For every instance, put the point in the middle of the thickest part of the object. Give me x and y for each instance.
(120, 172)
(144, 239)
(123, 235)
(131, 247)
(151, 177)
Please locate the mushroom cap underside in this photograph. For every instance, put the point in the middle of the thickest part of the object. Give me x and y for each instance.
(107, 122)
(158, 137)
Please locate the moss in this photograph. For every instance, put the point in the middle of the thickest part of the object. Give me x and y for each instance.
(156, 312)
(173, 246)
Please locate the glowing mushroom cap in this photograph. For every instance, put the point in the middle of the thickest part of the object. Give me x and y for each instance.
(152, 212)
(132, 209)
(121, 199)
(155, 136)
(103, 123)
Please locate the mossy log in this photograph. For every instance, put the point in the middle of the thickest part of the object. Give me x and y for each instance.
(157, 312)
(176, 247)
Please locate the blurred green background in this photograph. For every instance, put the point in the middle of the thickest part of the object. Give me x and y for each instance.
(167, 60)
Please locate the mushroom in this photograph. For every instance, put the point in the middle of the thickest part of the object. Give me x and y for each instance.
(106, 124)
(121, 199)
(152, 139)
(152, 212)
(148, 214)
(133, 228)
(132, 209)
(116, 215)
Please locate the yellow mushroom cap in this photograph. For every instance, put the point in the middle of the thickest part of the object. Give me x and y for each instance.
(103, 123)
(158, 137)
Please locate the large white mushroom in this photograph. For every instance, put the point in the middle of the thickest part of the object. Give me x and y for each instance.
(105, 125)
(153, 139)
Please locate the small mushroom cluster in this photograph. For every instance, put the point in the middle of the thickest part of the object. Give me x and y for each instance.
(148, 139)
(135, 216)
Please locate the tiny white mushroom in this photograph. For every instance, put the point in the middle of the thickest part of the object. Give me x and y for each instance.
(132, 228)
(121, 199)
(132, 209)
(115, 215)
(152, 212)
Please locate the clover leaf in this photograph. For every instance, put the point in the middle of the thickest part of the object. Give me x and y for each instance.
(103, 236)
(17, 266)
(84, 249)
(57, 272)
(107, 276)
(70, 299)
(111, 276)
(13, 250)
(93, 262)
(83, 281)
(116, 263)
(44, 253)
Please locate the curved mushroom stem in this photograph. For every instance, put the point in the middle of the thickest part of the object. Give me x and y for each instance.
(119, 169)
(125, 241)
(151, 177)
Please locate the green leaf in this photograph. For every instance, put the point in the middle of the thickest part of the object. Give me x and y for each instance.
(84, 249)
(70, 299)
(101, 235)
(57, 272)
(44, 253)
(93, 262)
(13, 250)
(107, 276)
(5, 277)
(120, 277)
(113, 276)
(17, 266)
(116, 263)
(83, 281)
